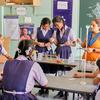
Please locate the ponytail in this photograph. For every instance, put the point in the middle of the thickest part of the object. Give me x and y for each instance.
(16, 54)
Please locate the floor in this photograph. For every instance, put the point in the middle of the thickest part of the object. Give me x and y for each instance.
(52, 94)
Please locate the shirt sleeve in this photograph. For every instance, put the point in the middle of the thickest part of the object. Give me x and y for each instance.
(71, 35)
(39, 75)
(54, 36)
(3, 51)
(97, 97)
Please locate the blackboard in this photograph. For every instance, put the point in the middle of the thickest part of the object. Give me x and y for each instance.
(89, 10)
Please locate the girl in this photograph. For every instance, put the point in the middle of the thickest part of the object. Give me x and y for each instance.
(41, 37)
(24, 35)
(19, 75)
(43, 34)
(63, 38)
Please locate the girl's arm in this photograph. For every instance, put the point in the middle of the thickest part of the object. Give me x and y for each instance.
(97, 78)
(83, 44)
(53, 39)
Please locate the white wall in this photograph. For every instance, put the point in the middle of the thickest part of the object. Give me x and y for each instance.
(76, 53)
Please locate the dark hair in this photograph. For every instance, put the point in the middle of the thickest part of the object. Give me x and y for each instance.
(0, 35)
(22, 47)
(98, 63)
(22, 31)
(44, 21)
(58, 19)
(97, 21)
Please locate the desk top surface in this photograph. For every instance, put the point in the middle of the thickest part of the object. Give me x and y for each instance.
(71, 84)
(56, 61)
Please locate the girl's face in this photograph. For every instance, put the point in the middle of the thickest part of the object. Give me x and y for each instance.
(25, 31)
(58, 25)
(46, 26)
(94, 27)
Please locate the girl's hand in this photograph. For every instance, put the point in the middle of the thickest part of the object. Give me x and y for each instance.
(78, 75)
(48, 44)
(40, 44)
(89, 50)
(67, 43)
(52, 40)
(79, 41)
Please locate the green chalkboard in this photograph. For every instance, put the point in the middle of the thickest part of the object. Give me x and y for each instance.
(89, 9)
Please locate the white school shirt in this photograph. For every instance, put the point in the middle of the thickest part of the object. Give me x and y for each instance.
(97, 97)
(36, 73)
(34, 35)
(71, 35)
(3, 51)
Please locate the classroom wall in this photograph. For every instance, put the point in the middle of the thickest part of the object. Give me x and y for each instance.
(37, 13)
(76, 53)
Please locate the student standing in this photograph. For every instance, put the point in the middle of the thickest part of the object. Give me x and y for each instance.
(64, 39)
(42, 35)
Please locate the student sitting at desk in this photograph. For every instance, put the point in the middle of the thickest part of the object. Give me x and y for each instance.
(95, 74)
(19, 75)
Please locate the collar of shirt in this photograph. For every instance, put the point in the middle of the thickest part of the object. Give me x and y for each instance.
(66, 27)
(21, 57)
(63, 30)
(44, 31)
